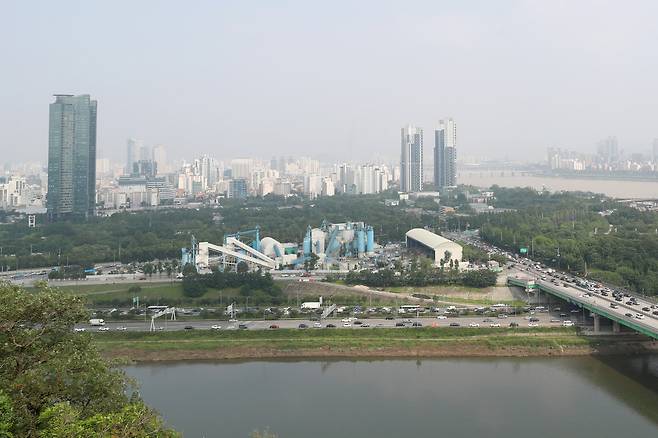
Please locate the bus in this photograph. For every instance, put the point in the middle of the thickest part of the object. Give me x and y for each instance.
(157, 308)
(409, 308)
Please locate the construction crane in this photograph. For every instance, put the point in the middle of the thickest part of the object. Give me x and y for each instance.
(168, 311)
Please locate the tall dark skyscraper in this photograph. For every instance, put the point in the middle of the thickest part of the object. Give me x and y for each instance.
(445, 154)
(72, 157)
(411, 159)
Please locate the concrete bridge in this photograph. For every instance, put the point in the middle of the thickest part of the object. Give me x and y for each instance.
(597, 305)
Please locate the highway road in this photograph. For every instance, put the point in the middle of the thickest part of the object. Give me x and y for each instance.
(601, 303)
(206, 324)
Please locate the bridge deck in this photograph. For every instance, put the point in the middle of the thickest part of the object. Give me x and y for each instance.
(597, 304)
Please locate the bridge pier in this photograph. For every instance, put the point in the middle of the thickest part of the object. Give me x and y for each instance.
(597, 323)
(616, 328)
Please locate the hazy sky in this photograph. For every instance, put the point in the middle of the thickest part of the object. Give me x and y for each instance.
(332, 79)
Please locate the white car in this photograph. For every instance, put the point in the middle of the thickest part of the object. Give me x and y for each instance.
(347, 324)
(122, 328)
(79, 329)
(533, 324)
(567, 324)
(639, 316)
(494, 325)
(441, 317)
(317, 325)
(345, 320)
(232, 320)
(216, 327)
(474, 324)
(103, 329)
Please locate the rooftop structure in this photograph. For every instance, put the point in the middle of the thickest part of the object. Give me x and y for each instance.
(438, 248)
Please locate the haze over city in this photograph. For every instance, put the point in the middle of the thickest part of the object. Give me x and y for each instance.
(333, 80)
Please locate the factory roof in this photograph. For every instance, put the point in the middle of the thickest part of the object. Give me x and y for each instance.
(428, 238)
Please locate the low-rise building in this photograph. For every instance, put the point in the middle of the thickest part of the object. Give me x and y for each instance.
(438, 248)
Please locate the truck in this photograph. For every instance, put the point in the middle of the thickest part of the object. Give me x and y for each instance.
(96, 322)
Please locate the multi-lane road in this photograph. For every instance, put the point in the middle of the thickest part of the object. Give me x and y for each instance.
(627, 314)
(545, 320)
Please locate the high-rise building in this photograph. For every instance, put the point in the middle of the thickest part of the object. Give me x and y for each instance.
(312, 185)
(159, 156)
(145, 153)
(72, 156)
(238, 188)
(242, 167)
(133, 148)
(411, 159)
(608, 150)
(445, 154)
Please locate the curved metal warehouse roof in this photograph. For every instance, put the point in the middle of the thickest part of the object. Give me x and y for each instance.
(428, 238)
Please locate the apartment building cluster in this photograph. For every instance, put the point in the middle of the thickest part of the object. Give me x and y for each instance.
(608, 157)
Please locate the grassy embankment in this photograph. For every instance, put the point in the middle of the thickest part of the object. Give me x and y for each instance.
(118, 294)
(381, 342)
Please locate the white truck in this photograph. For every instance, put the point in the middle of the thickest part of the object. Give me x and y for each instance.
(97, 322)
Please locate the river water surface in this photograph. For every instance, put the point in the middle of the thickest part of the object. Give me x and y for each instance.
(495, 397)
(624, 189)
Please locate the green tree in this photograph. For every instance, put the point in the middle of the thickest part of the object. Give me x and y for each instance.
(43, 362)
(193, 286)
(133, 421)
(149, 269)
(6, 416)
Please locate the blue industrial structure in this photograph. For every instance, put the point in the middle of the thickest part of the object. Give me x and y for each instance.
(370, 245)
(307, 242)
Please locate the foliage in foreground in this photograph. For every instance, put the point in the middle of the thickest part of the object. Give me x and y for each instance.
(53, 382)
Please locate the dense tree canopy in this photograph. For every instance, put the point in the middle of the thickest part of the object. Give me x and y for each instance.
(584, 233)
(149, 235)
(53, 382)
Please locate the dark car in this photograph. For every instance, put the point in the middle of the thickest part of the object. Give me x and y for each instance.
(399, 324)
(454, 324)
(655, 312)
(274, 326)
(389, 318)
(302, 326)
(533, 319)
(331, 326)
(513, 324)
(242, 326)
(646, 309)
(630, 315)
(357, 323)
(417, 324)
(189, 327)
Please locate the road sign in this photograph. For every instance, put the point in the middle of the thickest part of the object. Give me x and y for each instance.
(523, 250)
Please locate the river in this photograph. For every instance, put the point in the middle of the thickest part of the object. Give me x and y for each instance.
(497, 397)
(624, 189)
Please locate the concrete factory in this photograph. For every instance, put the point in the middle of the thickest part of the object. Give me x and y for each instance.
(329, 244)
